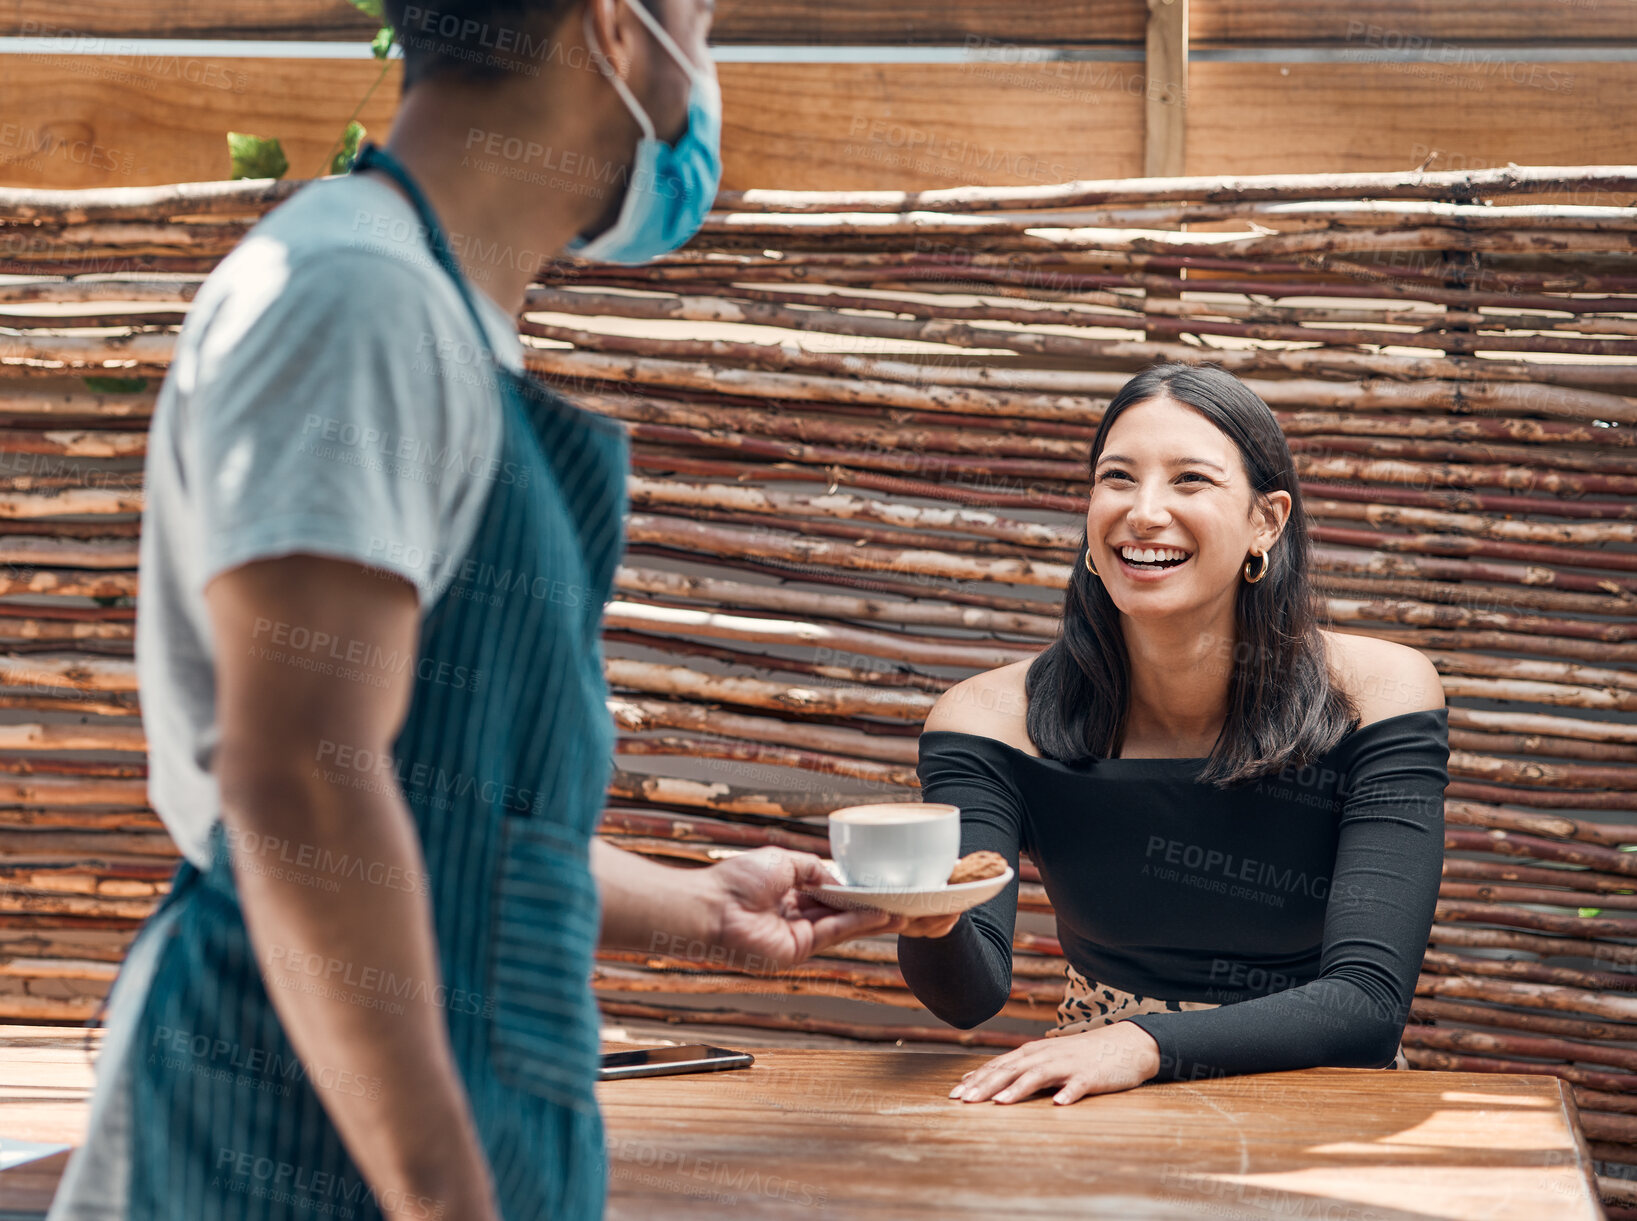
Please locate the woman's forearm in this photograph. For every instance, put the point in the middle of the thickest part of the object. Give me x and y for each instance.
(964, 978)
(1329, 1023)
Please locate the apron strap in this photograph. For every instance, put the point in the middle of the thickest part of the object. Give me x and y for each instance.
(372, 156)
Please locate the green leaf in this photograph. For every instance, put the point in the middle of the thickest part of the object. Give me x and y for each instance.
(116, 385)
(110, 600)
(342, 161)
(370, 8)
(381, 45)
(256, 156)
(1590, 911)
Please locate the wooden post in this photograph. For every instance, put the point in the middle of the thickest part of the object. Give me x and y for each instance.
(1167, 89)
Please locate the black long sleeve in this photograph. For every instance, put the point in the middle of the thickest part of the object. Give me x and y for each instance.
(1300, 904)
(966, 977)
(1382, 894)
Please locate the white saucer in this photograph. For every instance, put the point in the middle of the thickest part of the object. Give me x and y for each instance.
(945, 900)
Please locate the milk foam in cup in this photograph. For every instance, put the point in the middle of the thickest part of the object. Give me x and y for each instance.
(909, 845)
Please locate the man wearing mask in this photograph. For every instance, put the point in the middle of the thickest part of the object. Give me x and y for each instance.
(374, 560)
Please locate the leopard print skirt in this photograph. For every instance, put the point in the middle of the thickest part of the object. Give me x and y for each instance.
(1088, 1004)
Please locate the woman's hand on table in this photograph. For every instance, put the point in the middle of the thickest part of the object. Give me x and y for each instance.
(1101, 1061)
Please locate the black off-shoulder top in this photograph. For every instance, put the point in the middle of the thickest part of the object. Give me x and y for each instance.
(1299, 903)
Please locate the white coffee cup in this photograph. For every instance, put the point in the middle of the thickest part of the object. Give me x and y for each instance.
(909, 845)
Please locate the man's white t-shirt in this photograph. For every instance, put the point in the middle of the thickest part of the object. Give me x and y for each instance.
(327, 395)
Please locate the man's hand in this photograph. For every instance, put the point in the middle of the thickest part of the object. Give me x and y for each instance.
(759, 911)
(1102, 1061)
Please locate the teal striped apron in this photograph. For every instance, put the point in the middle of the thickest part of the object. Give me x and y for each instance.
(506, 783)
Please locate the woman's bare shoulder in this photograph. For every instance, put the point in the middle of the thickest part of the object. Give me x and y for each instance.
(1383, 677)
(991, 705)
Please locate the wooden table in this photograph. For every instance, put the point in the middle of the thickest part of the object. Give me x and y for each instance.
(45, 1091)
(871, 1134)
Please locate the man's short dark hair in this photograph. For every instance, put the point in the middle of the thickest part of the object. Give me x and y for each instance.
(478, 40)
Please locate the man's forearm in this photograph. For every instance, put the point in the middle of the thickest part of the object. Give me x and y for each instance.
(654, 907)
(410, 1130)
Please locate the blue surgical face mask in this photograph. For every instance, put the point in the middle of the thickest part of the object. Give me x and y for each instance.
(672, 186)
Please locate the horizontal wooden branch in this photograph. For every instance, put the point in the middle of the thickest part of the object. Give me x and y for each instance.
(1424, 1009)
(824, 639)
(1441, 963)
(761, 755)
(677, 681)
(1615, 954)
(1551, 826)
(1486, 1042)
(1422, 1049)
(714, 591)
(1544, 996)
(1454, 185)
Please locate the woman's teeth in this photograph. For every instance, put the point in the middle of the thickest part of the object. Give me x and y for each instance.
(1153, 557)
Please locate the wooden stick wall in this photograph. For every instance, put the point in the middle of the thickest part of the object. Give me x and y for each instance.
(860, 424)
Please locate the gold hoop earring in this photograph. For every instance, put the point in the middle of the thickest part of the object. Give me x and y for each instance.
(1260, 572)
(1089, 567)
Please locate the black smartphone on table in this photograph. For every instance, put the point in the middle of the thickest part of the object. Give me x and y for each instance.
(664, 1061)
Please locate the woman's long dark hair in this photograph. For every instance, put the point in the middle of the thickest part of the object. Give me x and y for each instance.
(1283, 709)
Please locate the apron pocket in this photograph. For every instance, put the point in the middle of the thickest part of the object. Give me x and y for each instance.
(544, 1032)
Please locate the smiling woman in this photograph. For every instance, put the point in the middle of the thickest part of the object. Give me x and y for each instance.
(1195, 538)
(1237, 816)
